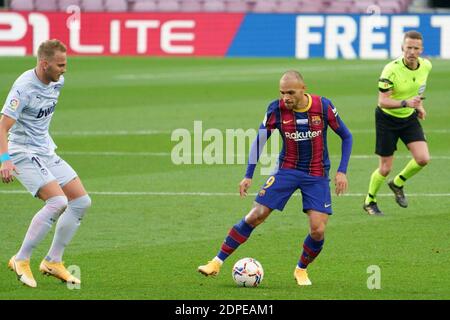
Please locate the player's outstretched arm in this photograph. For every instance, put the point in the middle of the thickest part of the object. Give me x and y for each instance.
(7, 167)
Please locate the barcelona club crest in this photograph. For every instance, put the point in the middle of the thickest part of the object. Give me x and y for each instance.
(315, 120)
(262, 193)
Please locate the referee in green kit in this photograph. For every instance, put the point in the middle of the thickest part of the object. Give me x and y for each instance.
(400, 105)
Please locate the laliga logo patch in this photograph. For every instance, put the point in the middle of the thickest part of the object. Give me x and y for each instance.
(44, 171)
(315, 120)
(14, 103)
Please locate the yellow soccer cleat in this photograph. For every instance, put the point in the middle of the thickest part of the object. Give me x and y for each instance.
(210, 269)
(23, 271)
(57, 270)
(301, 275)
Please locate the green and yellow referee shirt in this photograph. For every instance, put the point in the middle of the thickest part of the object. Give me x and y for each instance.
(404, 82)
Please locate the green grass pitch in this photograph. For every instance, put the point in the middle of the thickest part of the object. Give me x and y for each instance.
(142, 239)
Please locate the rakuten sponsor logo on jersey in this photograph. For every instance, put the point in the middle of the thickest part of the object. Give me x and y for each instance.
(301, 136)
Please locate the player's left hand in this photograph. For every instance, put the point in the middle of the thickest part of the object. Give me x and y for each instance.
(340, 181)
(421, 113)
(6, 171)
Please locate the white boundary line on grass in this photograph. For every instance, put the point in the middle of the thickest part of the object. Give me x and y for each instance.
(167, 154)
(214, 194)
(426, 131)
(116, 153)
(155, 132)
(111, 133)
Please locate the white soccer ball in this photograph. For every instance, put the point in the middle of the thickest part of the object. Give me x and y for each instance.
(247, 272)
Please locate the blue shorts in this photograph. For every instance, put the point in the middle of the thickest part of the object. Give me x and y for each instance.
(279, 188)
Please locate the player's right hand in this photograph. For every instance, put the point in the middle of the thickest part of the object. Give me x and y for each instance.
(414, 102)
(6, 171)
(244, 186)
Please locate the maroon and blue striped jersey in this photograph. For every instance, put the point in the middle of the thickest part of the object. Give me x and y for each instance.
(304, 135)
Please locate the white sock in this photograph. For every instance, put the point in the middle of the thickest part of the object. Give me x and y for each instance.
(40, 225)
(218, 260)
(66, 227)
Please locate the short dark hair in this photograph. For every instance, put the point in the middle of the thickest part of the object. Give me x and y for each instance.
(413, 34)
(295, 74)
(47, 49)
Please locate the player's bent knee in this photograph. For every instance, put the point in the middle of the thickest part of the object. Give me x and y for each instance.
(83, 202)
(79, 206)
(257, 215)
(57, 204)
(253, 219)
(385, 166)
(423, 161)
(87, 201)
(384, 171)
(318, 233)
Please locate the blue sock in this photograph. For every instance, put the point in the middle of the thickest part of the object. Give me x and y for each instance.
(236, 236)
(311, 249)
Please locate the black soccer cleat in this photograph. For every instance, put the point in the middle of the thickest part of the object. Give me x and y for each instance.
(399, 195)
(372, 209)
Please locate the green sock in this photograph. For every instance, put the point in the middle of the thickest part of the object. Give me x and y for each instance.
(411, 169)
(376, 180)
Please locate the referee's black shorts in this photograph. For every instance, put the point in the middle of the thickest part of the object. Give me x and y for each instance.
(389, 129)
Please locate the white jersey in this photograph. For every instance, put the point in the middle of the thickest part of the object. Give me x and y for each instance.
(31, 103)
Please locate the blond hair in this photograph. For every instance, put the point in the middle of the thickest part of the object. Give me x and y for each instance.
(47, 49)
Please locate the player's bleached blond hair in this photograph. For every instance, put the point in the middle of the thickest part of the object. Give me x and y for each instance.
(47, 49)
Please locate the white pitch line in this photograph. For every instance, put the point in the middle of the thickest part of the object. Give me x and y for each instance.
(214, 194)
(367, 156)
(114, 153)
(110, 133)
(167, 154)
(155, 132)
(426, 131)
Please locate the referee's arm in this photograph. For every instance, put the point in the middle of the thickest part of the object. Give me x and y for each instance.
(385, 101)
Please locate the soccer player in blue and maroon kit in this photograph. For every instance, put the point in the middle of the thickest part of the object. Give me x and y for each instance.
(302, 120)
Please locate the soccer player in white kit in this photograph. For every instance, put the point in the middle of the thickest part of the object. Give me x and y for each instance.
(28, 154)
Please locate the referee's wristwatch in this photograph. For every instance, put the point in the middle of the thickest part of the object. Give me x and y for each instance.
(403, 104)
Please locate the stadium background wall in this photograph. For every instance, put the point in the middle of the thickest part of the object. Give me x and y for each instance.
(224, 34)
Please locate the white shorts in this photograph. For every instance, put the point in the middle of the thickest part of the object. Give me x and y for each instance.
(36, 170)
